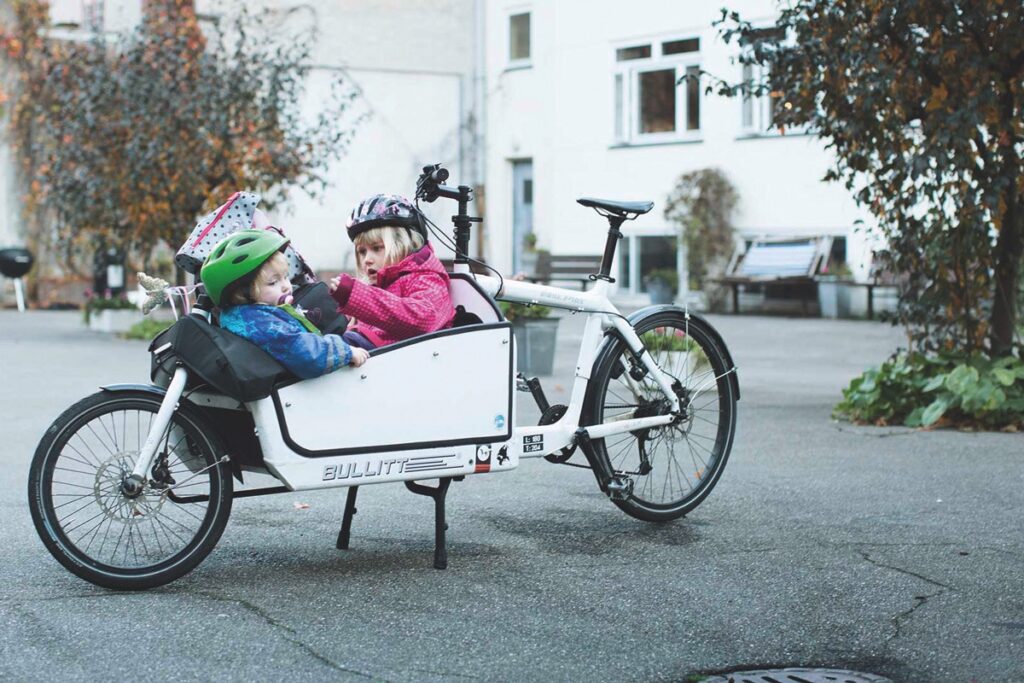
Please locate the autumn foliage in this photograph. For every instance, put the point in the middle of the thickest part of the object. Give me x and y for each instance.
(923, 105)
(123, 142)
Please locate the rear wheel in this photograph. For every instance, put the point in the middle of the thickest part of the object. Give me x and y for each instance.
(103, 531)
(673, 467)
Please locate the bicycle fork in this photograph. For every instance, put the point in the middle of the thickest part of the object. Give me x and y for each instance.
(134, 484)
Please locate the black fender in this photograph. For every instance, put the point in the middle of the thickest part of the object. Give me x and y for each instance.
(121, 388)
(612, 337)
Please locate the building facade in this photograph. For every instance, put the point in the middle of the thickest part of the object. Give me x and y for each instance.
(583, 100)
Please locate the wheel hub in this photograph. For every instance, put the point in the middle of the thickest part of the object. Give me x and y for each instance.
(119, 494)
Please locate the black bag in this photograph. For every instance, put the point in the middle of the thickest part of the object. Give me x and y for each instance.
(230, 364)
(320, 309)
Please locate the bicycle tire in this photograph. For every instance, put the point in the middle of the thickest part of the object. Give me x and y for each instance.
(701, 365)
(74, 480)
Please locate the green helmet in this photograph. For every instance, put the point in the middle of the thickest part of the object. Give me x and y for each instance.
(236, 256)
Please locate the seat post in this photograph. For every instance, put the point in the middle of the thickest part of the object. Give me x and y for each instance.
(614, 235)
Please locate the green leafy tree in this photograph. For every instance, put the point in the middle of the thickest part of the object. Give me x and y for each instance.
(124, 143)
(921, 103)
(701, 205)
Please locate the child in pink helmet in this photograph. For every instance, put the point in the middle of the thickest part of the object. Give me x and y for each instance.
(402, 289)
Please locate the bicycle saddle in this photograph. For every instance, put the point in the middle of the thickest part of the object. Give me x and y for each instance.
(621, 208)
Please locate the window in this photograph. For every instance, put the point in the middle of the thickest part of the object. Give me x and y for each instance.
(642, 251)
(657, 91)
(757, 112)
(519, 38)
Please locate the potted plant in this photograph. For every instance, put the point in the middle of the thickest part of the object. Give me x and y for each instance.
(675, 352)
(109, 313)
(662, 285)
(528, 259)
(536, 333)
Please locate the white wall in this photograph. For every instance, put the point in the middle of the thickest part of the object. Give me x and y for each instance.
(411, 63)
(560, 113)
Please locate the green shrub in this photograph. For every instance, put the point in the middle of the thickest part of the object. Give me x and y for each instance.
(657, 340)
(666, 275)
(94, 304)
(950, 389)
(514, 311)
(147, 329)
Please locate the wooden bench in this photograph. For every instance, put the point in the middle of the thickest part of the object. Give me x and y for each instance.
(565, 267)
(778, 262)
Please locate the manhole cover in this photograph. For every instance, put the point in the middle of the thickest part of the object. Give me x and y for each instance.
(797, 676)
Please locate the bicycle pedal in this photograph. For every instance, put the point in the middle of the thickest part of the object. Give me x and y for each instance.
(620, 488)
(521, 383)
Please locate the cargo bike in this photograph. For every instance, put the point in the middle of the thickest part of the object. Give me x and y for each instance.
(131, 487)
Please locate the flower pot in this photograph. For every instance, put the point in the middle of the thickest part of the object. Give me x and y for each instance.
(660, 292)
(535, 345)
(114, 320)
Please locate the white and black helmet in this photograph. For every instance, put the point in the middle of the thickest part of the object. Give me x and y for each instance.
(385, 209)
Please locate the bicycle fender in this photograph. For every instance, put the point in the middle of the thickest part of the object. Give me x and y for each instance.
(118, 388)
(639, 315)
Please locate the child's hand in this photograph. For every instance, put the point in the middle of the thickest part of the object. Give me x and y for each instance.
(333, 284)
(359, 356)
(352, 323)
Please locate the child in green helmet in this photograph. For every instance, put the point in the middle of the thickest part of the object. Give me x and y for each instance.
(246, 275)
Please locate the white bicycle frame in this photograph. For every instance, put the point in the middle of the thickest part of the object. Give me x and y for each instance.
(527, 441)
(602, 316)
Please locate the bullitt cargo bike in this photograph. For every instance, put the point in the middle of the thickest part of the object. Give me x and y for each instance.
(131, 487)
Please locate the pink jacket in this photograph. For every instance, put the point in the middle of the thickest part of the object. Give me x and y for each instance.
(410, 298)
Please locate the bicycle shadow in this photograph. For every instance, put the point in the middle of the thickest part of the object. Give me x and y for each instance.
(571, 531)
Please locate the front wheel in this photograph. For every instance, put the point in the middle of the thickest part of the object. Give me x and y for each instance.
(673, 467)
(107, 533)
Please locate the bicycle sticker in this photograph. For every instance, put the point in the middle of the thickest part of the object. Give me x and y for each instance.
(483, 458)
(499, 421)
(533, 443)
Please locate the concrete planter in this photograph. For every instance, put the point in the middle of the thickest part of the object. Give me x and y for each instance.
(833, 298)
(114, 320)
(535, 345)
(660, 291)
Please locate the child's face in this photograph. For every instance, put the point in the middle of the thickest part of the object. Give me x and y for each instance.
(371, 259)
(272, 285)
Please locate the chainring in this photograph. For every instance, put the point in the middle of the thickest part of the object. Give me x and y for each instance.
(552, 415)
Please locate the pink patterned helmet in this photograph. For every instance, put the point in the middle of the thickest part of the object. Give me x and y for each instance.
(385, 209)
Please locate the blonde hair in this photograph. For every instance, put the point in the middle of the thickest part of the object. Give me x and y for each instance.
(398, 243)
(246, 290)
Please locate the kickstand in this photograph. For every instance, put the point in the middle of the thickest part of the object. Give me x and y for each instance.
(346, 521)
(438, 493)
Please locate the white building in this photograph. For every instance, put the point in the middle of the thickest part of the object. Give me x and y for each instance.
(582, 101)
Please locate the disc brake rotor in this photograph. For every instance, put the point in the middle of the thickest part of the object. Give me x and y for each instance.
(107, 491)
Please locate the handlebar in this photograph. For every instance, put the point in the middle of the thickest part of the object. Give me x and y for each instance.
(430, 184)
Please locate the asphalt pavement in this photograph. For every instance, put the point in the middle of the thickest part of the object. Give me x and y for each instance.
(881, 550)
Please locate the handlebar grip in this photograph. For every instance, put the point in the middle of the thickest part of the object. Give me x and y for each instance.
(439, 175)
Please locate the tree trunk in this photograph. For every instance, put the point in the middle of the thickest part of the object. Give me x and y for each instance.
(1009, 248)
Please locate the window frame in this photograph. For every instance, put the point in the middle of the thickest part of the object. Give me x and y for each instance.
(626, 121)
(763, 120)
(521, 62)
(761, 107)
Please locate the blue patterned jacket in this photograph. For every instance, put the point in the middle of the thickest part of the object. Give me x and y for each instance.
(305, 354)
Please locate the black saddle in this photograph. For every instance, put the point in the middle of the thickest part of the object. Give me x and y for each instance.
(617, 208)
